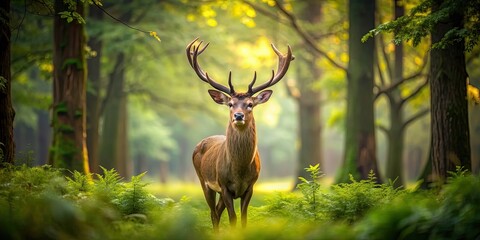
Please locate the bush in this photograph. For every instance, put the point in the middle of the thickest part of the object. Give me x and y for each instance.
(452, 213)
(351, 201)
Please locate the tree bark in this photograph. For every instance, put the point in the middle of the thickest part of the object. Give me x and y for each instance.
(7, 113)
(449, 106)
(396, 133)
(93, 97)
(113, 152)
(69, 149)
(360, 144)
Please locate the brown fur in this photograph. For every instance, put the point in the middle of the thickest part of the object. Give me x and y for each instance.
(232, 163)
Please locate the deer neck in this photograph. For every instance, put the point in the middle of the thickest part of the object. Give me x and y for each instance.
(241, 144)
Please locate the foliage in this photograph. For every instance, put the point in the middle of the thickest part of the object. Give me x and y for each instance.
(351, 201)
(451, 213)
(310, 188)
(420, 21)
(40, 203)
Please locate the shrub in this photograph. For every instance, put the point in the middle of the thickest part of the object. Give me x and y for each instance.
(351, 201)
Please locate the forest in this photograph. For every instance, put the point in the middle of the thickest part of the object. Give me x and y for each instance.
(371, 129)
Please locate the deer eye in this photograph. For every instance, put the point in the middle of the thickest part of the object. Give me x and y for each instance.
(230, 105)
(250, 106)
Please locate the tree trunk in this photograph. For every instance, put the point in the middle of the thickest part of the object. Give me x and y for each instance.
(113, 149)
(396, 133)
(449, 106)
(7, 114)
(69, 149)
(309, 100)
(309, 118)
(93, 98)
(360, 152)
(474, 114)
(44, 136)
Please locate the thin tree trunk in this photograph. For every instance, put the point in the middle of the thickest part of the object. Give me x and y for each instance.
(69, 148)
(7, 114)
(44, 136)
(449, 106)
(360, 147)
(93, 98)
(109, 151)
(396, 133)
(474, 114)
(309, 100)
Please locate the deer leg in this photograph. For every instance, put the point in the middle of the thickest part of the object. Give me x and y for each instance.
(220, 207)
(228, 202)
(244, 201)
(210, 196)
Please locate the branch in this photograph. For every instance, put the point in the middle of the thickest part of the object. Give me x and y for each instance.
(384, 129)
(395, 84)
(385, 58)
(415, 117)
(306, 37)
(416, 92)
(292, 91)
(265, 12)
(119, 20)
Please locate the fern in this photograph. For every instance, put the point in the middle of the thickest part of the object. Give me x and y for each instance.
(108, 185)
(134, 199)
(79, 185)
(351, 201)
(310, 188)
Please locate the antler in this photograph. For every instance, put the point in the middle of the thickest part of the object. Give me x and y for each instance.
(192, 54)
(283, 64)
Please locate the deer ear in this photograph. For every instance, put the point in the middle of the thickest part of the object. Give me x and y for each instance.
(263, 97)
(219, 97)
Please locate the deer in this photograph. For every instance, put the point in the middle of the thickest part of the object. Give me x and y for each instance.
(230, 164)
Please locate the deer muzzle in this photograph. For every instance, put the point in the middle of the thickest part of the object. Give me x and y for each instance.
(239, 118)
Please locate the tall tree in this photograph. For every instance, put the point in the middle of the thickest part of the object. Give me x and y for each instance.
(360, 145)
(69, 148)
(93, 93)
(450, 38)
(449, 106)
(397, 102)
(308, 97)
(114, 146)
(7, 145)
(113, 150)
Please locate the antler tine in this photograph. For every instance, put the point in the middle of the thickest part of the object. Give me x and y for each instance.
(253, 82)
(232, 90)
(192, 56)
(283, 64)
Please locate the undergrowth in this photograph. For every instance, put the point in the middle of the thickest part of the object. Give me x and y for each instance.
(41, 203)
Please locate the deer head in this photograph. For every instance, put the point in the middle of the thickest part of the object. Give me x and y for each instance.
(240, 104)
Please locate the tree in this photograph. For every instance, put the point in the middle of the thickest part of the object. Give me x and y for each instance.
(450, 38)
(449, 107)
(360, 146)
(69, 148)
(309, 98)
(114, 139)
(397, 101)
(7, 113)
(93, 93)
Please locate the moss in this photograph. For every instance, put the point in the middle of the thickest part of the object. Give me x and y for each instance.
(78, 113)
(61, 108)
(77, 63)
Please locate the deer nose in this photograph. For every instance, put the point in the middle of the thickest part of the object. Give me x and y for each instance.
(239, 116)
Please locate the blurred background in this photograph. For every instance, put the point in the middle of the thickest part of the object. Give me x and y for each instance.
(147, 109)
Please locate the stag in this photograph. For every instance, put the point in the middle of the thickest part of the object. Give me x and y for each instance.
(230, 164)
